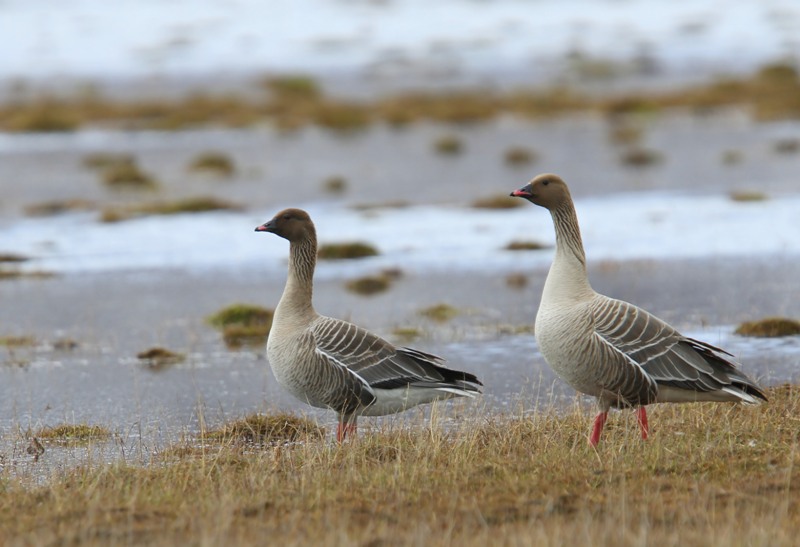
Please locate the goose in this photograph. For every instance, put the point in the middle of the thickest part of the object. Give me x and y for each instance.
(613, 350)
(330, 363)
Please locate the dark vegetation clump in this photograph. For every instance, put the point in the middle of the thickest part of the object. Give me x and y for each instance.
(266, 429)
(243, 325)
(519, 156)
(448, 145)
(526, 246)
(213, 163)
(770, 327)
(369, 285)
(357, 249)
(57, 207)
(748, 195)
(74, 433)
(198, 204)
(500, 201)
(127, 175)
(157, 358)
(335, 185)
(641, 157)
(440, 313)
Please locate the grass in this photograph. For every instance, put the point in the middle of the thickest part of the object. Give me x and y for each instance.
(336, 251)
(242, 325)
(13, 258)
(158, 358)
(448, 145)
(499, 201)
(748, 195)
(23, 341)
(334, 185)
(267, 429)
(641, 157)
(369, 285)
(10, 275)
(711, 474)
(519, 156)
(128, 176)
(440, 313)
(517, 280)
(769, 327)
(73, 433)
(58, 207)
(214, 163)
(526, 246)
(770, 93)
(197, 204)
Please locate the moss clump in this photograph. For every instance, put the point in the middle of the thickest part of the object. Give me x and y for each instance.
(519, 156)
(6, 275)
(517, 280)
(748, 195)
(770, 327)
(440, 312)
(106, 160)
(526, 246)
(500, 201)
(127, 175)
(158, 357)
(198, 204)
(334, 185)
(238, 336)
(243, 325)
(342, 117)
(787, 146)
(625, 134)
(641, 157)
(356, 249)
(57, 207)
(448, 145)
(24, 341)
(294, 88)
(369, 285)
(732, 157)
(407, 334)
(13, 257)
(215, 163)
(45, 116)
(74, 434)
(267, 429)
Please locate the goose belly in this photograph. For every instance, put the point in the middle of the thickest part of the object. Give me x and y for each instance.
(564, 342)
(293, 372)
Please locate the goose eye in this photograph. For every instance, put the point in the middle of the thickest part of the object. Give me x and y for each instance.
(545, 182)
(287, 216)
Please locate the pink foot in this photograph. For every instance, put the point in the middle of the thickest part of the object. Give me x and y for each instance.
(599, 422)
(641, 415)
(345, 429)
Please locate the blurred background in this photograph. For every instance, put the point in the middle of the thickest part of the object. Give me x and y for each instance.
(142, 141)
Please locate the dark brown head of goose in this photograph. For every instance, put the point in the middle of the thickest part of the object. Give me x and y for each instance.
(291, 224)
(546, 190)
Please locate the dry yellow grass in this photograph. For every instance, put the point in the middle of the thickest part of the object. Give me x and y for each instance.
(711, 474)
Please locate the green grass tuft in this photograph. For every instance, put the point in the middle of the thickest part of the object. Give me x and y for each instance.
(335, 251)
(770, 327)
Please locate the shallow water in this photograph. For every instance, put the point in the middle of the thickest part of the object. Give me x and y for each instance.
(666, 238)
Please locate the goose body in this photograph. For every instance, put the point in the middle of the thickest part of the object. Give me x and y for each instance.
(611, 349)
(330, 363)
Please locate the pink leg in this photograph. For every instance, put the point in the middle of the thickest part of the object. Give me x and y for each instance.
(345, 429)
(641, 415)
(599, 422)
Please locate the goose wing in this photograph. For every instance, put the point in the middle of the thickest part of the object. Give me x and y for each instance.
(664, 354)
(380, 364)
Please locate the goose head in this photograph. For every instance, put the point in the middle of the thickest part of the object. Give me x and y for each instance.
(546, 190)
(290, 224)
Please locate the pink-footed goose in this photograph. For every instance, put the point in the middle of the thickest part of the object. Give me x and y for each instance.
(611, 349)
(330, 363)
